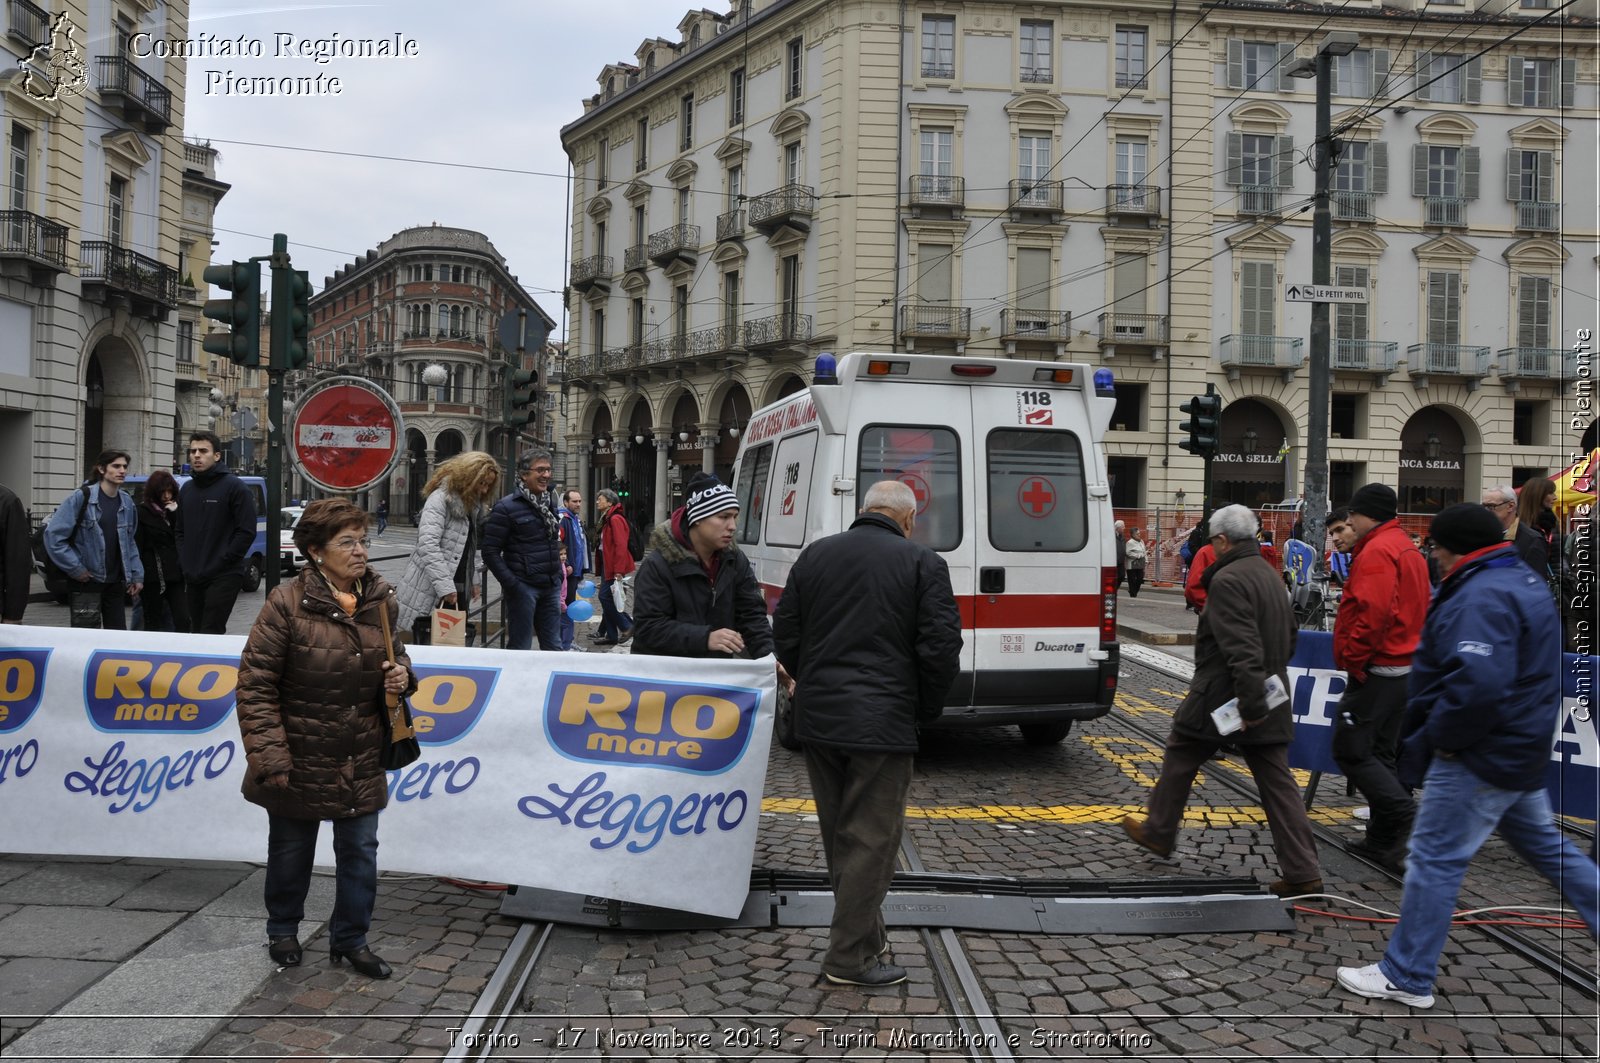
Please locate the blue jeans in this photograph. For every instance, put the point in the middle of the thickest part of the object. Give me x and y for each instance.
(291, 847)
(531, 610)
(1458, 813)
(613, 622)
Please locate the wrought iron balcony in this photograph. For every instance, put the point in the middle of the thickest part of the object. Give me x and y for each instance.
(939, 71)
(39, 241)
(1351, 206)
(1036, 75)
(730, 226)
(1447, 211)
(1244, 351)
(1538, 217)
(1037, 326)
(593, 272)
(1537, 363)
(663, 351)
(123, 274)
(1448, 359)
(921, 321)
(1133, 201)
(934, 190)
(142, 98)
(780, 330)
(1365, 356)
(1030, 197)
(634, 259)
(678, 243)
(718, 339)
(791, 206)
(1119, 330)
(27, 23)
(1259, 199)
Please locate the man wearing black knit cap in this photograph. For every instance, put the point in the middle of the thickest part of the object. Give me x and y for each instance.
(1380, 620)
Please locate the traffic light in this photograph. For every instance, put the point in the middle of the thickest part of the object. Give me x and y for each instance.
(522, 397)
(241, 312)
(291, 316)
(620, 486)
(1204, 413)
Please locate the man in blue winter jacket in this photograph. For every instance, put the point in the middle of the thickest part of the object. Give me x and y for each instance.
(522, 547)
(1483, 706)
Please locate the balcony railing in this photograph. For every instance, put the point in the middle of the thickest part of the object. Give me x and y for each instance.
(634, 259)
(1538, 217)
(1351, 206)
(678, 242)
(792, 206)
(1448, 359)
(27, 23)
(1537, 363)
(1036, 196)
(1139, 201)
(1117, 328)
(144, 98)
(941, 71)
(128, 273)
(1036, 75)
(780, 330)
(1270, 352)
(919, 321)
(1365, 356)
(592, 272)
(1258, 199)
(936, 190)
(1448, 211)
(24, 234)
(1043, 326)
(663, 351)
(730, 226)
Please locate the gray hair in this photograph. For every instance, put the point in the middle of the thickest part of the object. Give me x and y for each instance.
(1235, 523)
(532, 457)
(609, 495)
(889, 496)
(1119, 524)
(1506, 492)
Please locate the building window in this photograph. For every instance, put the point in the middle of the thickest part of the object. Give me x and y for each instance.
(730, 303)
(680, 314)
(735, 186)
(937, 161)
(791, 163)
(1350, 319)
(794, 65)
(641, 144)
(639, 235)
(686, 122)
(683, 205)
(116, 200)
(1132, 153)
(1258, 64)
(602, 165)
(1446, 78)
(1362, 73)
(20, 147)
(1257, 298)
(938, 46)
(1260, 165)
(1544, 83)
(1444, 307)
(1345, 415)
(1351, 173)
(1131, 42)
(1033, 159)
(598, 325)
(636, 321)
(599, 237)
(1037, 64)
(1128, 415)
(736, 97)
(186, 342)
(790, 286)
(1533, 312)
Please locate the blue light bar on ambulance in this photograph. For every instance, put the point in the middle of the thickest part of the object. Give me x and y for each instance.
(885, 367)
(1046, 375)
(1105, 383)
(826, 370)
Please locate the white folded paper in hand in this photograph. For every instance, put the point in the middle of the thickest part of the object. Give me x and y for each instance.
(1226, 717)
(1276, 694)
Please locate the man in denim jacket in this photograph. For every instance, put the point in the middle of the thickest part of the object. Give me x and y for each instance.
(90, 538)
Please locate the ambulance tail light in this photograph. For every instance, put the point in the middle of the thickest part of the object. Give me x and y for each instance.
(1046, 375)
(1108, 605)
(886, 367)
(972, 370)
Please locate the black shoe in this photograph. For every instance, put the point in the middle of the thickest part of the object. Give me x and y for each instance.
(363, 960)
(604, 642)
(625, 637)
(880, 974)
(1390, 858)
(285, 951)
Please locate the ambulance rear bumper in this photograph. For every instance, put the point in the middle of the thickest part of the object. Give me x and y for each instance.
(991, 698)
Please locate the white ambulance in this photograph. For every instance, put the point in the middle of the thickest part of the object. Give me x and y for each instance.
(1006, 460)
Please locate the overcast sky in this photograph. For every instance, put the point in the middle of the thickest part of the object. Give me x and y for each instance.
(491, 86)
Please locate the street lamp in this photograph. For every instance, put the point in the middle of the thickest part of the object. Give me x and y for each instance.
(1432, 446)
(1251, 440)
(1336, 43)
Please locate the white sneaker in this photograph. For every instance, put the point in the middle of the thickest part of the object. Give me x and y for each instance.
(1364, 812)
(1368, 981)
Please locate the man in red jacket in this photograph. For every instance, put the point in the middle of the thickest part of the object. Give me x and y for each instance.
(1194, 591)
(1379, 624)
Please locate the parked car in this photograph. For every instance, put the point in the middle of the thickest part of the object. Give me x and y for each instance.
(290, 554)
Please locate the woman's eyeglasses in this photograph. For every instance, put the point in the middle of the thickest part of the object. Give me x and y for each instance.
(348, 545)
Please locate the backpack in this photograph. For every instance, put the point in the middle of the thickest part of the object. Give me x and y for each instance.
(57, 582)
(635, 542)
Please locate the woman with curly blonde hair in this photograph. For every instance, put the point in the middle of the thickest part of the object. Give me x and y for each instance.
(457, 495)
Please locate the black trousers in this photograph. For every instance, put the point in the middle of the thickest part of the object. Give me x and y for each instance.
(1135, 581)
(99, 605)
(166, 610)
(211, 602)
(1366, 732)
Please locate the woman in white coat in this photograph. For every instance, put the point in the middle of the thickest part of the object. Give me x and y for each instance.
(457, 496)
(1138, 552)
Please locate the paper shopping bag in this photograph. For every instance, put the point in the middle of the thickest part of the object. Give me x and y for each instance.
(449, 627)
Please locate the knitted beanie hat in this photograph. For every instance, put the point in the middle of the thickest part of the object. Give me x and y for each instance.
(1465, 527)
(708, 496)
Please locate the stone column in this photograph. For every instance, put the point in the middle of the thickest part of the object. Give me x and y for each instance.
(708, 446)
(664, 438)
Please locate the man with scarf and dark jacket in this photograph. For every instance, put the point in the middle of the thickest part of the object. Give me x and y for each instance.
(1245, 639)
(522, 547)
(216, 527)
(695, 594)
(1483, 710)
(868, 627)
(1379, 622)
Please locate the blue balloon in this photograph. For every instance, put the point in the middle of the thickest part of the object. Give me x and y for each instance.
(586, 589)
(579, 611)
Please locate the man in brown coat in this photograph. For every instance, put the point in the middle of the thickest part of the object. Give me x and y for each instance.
(1246, 637)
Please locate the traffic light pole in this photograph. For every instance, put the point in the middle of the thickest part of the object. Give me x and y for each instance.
(277, 363)
(1314, 519)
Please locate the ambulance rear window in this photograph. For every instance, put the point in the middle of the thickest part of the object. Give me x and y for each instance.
(926, 460)
(751, 488)
(1036, 491)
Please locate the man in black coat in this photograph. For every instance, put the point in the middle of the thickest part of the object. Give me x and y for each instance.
(869, 628)
(216, 528)
(16, 557)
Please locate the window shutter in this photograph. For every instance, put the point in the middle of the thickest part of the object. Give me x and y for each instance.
(1234, 174)
(1424, 72)
(1286, 161)
(1474, 79)
(1569, 81)
(1469, 173)
(1378, 165)
(1235, 64)
(1419, 170)
(1513, 174)
(1247, 297)
(1380, 71)
(1285, 57)
(1514, 81)
(1547, 177)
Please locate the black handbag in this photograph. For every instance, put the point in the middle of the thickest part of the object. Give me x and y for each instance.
(400, 746)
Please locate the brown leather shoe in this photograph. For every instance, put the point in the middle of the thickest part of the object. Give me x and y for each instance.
(1286, 889)
(1136, 829)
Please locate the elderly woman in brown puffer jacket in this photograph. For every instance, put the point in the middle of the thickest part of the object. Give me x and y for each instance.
(311, 685)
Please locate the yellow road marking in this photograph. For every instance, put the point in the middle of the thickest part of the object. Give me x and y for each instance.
(1195, 816)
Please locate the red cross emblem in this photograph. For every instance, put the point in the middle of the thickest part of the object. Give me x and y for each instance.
(1037, 496)
(919, 488)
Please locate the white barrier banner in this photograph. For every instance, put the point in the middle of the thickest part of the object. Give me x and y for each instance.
(635, 778)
